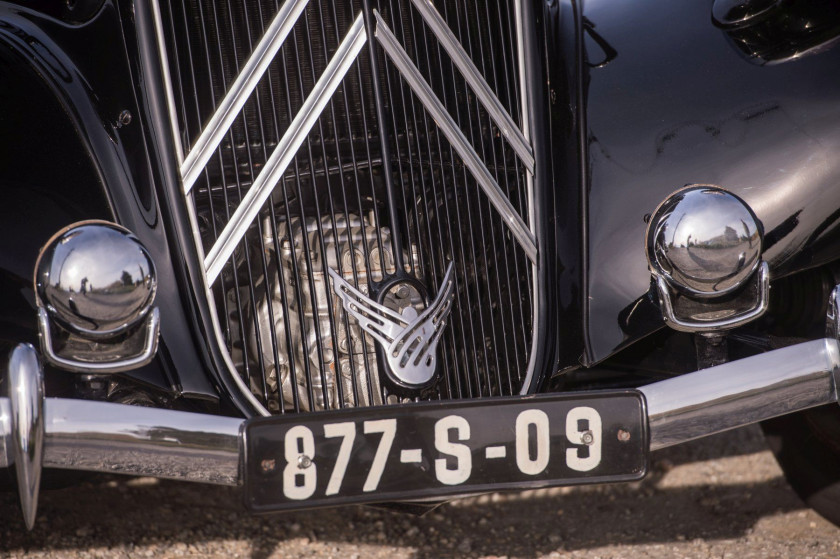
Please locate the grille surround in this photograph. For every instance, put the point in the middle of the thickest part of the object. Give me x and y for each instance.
(459, 383)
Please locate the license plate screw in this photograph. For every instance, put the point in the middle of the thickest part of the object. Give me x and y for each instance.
(268, 465)
(304, 461)
(623, 435)
(587, 438)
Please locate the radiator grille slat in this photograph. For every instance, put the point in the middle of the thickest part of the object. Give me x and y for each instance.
(290, 340)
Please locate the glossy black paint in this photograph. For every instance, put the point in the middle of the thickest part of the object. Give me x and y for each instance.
(679, 105)
(102, 167)
(563, 130)
(47, 179)
(548, 354)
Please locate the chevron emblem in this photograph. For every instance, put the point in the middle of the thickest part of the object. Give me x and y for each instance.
(409, 340)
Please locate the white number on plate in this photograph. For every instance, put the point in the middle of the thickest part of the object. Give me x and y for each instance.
(583, 427)
(461, 452)
(388, 428)
(576, 435)
(539, 420)
(347, 432)
(299, 441)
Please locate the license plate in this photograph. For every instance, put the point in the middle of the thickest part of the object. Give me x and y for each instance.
(438, 449)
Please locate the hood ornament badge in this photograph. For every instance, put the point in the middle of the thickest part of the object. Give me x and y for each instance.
(408, 339)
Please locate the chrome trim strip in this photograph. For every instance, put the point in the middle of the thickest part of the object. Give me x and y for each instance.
(520, 61)
(453, 133)
(117, 438)
(286, 150)
(832, 315)
(26, 404)
(151, 332)
(6, 459)
(488, 98)
(742, 392)
(519, 21)
(167, 81)
(238, 94)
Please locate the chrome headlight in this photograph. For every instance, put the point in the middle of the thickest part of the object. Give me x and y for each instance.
(96, 279)
(705, 241)
(97, 282)
(704, 248)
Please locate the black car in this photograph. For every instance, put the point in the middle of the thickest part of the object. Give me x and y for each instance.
(403, 250)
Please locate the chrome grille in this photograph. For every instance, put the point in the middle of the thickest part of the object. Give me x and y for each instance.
(416, 138)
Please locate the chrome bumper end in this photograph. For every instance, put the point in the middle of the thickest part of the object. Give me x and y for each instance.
(742, 392)
(37, 432)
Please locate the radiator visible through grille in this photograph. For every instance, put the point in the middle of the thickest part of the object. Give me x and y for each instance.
(377, 145)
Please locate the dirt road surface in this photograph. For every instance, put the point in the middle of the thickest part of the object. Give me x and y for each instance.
(723, 497)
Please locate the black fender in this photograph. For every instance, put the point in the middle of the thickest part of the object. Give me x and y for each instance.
(669, 101)
(74, 147)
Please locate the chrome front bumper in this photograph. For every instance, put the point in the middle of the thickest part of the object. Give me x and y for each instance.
(37, 432)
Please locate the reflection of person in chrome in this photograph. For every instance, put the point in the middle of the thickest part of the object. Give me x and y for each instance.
(84, 287)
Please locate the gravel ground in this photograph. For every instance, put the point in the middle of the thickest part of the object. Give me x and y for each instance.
(722, 497)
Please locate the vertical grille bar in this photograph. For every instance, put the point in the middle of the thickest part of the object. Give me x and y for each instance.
(477, 140)
(502, 176)
(453, 215)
